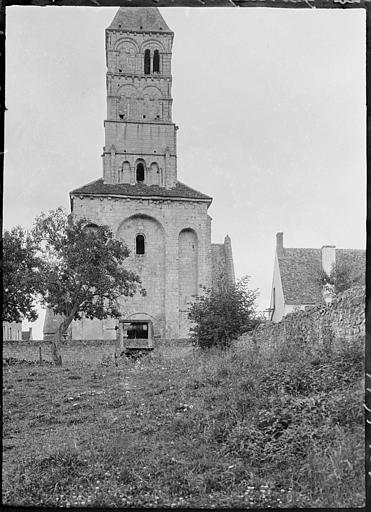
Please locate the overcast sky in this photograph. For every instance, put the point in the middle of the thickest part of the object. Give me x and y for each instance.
(270, 105)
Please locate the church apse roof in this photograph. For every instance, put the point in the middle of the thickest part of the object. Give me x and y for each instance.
(180, 191)
(136, 19)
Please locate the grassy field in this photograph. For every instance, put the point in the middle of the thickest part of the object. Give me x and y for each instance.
(181, 428)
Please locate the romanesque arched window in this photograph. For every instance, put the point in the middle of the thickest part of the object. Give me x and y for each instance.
(156, 61)
(139, 244)
(140, 172)
(147, 62)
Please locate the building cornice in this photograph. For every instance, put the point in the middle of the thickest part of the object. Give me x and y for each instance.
(161, 199)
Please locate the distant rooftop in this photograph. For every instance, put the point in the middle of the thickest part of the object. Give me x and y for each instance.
(299, 269)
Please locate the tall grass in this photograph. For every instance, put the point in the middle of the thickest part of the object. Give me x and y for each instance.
(296, 419)
(185, 427)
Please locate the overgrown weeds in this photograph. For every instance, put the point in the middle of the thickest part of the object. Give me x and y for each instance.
(184, 427)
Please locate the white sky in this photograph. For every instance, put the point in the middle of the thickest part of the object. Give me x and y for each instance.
(270, 105)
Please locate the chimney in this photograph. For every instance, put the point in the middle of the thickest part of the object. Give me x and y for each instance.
(328, 257)
(279, 244)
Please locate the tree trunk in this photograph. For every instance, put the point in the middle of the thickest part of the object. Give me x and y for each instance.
(55, 345)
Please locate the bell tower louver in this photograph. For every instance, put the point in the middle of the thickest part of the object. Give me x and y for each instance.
(140, 137)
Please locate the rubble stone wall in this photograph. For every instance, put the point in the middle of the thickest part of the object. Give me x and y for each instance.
(322, 327)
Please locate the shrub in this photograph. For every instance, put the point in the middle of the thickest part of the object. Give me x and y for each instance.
(221, 315)
(343, 276)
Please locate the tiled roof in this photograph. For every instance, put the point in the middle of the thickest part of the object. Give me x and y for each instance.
(137, 19)
(100, 188)
(300, 268)
(356, 258)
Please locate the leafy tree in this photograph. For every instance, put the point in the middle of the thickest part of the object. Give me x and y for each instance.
(21, 275)
(84, 272)
(222, 314)
(342, 276)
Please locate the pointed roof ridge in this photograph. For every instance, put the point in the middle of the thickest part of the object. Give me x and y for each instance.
(137, 19)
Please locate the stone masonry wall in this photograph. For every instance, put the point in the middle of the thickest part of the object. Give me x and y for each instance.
(321, 327)
(155, 219)
(217, 262)
(73, 351)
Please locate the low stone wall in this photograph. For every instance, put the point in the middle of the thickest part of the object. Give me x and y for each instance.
(321, 327)
(72, 350)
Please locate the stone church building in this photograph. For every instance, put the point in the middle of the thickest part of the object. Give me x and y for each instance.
(164, 223)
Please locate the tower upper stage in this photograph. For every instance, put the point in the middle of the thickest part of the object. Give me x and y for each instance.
(140, 137)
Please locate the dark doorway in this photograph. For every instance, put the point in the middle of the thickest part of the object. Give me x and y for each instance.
(136, 330)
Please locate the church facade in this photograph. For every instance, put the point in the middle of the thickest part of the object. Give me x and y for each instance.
(164, 223)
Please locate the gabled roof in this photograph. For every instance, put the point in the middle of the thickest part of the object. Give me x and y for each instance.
(180, 191)
(139, 19)
(300, 269)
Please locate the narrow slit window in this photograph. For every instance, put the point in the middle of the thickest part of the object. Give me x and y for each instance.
(156, 61)
(140, 173)
(147, 62)
(139, 244)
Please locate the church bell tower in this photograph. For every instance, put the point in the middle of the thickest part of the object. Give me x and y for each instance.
(163, 222)
(140, 137)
